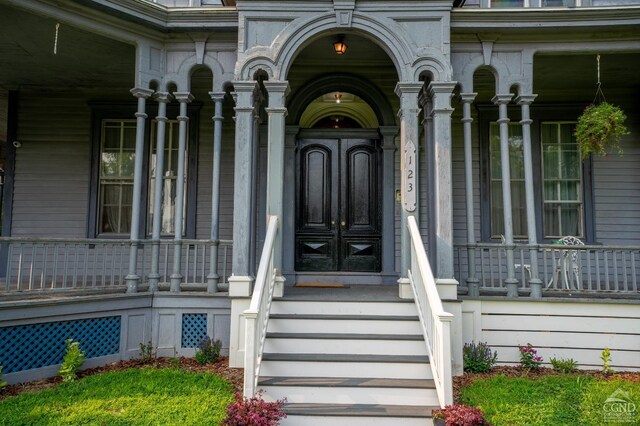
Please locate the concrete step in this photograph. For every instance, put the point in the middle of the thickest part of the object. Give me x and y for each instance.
(367, 344)
(399, 307)
(320, 390)
(357, 415)
(346, 365)
(378, 324)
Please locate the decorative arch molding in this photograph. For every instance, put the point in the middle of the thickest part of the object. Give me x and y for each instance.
(182, 76)
(343, 83)
(504, 78)
(409, 60)
(365, 120)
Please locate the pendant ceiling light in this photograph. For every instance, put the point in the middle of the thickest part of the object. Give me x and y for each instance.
(338, 97)
(340, 46)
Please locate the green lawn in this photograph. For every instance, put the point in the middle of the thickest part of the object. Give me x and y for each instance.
(147, 396)
(551, 400)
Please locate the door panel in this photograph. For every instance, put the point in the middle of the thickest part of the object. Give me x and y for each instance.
(338, 205)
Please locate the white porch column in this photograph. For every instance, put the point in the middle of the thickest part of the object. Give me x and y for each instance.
(409, 144)
(534, 281)
(163, 99)
(472, 282)
(277, 111)
(388, 198)
(241, 281)
(511, 283)
(176, 277)
(132, 279)
(213, 277)
(441, 93)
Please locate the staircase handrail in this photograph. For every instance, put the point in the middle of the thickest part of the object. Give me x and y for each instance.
(435, 322)
(257, 316)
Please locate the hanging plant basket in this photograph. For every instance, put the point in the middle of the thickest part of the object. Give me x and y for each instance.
(600, 128)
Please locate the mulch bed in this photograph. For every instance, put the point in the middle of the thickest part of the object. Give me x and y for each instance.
(221, 368)
(467, 379)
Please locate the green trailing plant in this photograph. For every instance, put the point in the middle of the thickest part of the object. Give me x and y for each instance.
(606, 361)
(146, 352)
(600, 128)
(529, 358)
(478, 358)
(208, 351)
(73, 359)
(2, 383)
(563, 365)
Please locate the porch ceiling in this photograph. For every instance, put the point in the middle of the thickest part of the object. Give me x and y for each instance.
(571, 77)
(363, 58)
(83, 60)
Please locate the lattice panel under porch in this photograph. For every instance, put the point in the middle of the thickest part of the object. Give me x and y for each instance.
(194, 329)
(31, 346)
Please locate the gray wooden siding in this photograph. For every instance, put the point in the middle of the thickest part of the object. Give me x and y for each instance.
(52, 166)
(617, 190)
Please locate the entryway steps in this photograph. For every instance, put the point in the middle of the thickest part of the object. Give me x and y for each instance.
(348, 362)
(357, 415)
(340, 390)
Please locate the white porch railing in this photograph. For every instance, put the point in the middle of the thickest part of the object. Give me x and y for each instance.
(436, 323)
(257, 316)
(59, 264)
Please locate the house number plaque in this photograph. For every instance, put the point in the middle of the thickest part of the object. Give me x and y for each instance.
(409, 180)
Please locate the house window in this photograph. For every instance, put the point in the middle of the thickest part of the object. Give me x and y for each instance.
(117, 158)
(112, 169)
(562, 180)
(516, 167)
(170, 174)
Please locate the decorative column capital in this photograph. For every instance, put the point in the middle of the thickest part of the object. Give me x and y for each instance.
(467, 97)
(502, 99)
(404, 88)
(525, 99)
(139, 92)
(163, 97)
(441, 93)
(183, 97)
(389, 134)
(217, 96)
(277, 86)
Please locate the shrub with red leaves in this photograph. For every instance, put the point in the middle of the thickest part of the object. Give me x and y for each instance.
(460, 415)
(254, 411)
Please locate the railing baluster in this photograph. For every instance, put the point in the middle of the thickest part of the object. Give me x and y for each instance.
(615, 270)
(634, 272)
(33, 255)
(113, 264)
(624, 271)
(589, 268)
(43, 279)
(87, 250)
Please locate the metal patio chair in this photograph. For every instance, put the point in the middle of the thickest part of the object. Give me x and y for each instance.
(568, 259)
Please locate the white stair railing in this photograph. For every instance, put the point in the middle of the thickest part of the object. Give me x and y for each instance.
(436, 323)
(257, 316)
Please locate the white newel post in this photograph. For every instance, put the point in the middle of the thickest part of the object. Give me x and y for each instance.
(132, 279)
(511, 283)
(213, 278)
(535, 284)
(472, 281)
(409, 148)
(163, 99)
(183, 119)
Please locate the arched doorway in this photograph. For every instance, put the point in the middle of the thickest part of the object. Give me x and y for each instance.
(343, 187)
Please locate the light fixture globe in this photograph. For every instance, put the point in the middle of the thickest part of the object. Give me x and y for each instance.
(340, 46)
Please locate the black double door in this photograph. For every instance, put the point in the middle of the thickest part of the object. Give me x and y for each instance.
(338, 205)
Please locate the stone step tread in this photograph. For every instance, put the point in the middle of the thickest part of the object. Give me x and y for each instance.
(346, 317)
(345, 358)
(347, 382)
(345, 336)
(358, 410)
